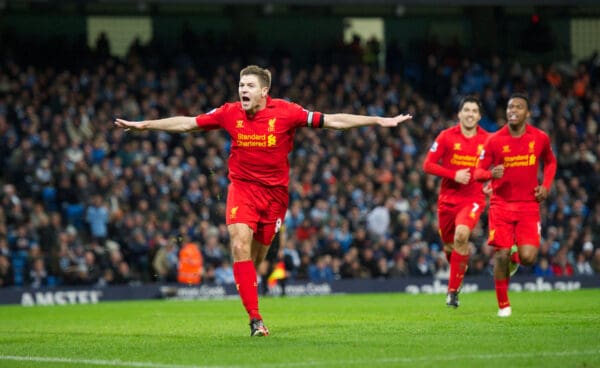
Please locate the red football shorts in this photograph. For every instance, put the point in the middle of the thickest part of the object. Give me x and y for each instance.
(452, 215)
(508, 227)
(261, 208)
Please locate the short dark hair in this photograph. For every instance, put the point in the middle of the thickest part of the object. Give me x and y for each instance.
(473, 99)
(264, 75)
(521, 96)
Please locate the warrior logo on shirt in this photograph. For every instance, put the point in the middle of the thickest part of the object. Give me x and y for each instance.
(457, 147)
(239, 124)
(506, 149)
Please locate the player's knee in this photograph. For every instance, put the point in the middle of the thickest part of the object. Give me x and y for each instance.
(528, 255)
(502, 257)
(240, 250)
(461, 238)
(527, 259)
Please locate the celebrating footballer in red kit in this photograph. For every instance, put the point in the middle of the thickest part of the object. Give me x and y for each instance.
(511, 159)
(453, 157)
(262, 132)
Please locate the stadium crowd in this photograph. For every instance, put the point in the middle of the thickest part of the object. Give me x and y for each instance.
(85, 204)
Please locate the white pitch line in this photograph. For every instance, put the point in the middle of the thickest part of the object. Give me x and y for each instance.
(120, 363)
(110, 363)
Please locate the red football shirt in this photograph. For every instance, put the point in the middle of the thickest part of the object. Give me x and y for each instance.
(450, 152)
(260, 145)
(521, 157)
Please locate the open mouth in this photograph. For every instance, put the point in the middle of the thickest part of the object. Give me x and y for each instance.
(245, 99)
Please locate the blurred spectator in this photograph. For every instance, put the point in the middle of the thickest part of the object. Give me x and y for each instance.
(378, 220)
(38, 276)
(400, 268)
(543, 268)
(190, 265)
(582, 263)
(224, 273)
(561, 265)
(6, 273)
(166, 260)
(97, 217)
(321, 271)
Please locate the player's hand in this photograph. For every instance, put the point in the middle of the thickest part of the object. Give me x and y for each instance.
(392, 122)
(462, 176)
(541, 193)
(487, 189)
(498, 172)
(130, 125)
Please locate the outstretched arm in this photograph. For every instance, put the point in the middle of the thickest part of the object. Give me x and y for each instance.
(177, 124)
(347, 121)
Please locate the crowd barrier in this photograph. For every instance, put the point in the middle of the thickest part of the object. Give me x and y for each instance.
(93, 295)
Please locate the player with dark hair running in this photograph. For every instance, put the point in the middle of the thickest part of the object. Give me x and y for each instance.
(511, 159)
(461, 201)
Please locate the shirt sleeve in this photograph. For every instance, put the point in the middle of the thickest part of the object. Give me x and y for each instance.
(305, 118)
(431, 164)
(549, 161)
(482, 169)
(211, 120)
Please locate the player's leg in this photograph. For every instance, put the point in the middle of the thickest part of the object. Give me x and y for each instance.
(272, 206)
(446, 219)
(446, 215)
(501, 238)
(459, 261)
(259, 252)
(447, 248)
(242, 221)
(465, 220)
(528, 233)
(528, 254)
(501, 281)
(244, 271)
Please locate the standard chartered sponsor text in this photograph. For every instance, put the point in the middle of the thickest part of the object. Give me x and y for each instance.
(519, 160)
(463, 160)
(251, 140)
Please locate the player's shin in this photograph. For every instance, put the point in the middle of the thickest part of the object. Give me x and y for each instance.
(246, 283)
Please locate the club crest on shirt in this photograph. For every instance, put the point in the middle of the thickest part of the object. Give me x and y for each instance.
(479, 148)
(532, 147)
(233, 212)
(271, 127)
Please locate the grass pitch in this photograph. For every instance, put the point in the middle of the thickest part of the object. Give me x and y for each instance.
(547, 329)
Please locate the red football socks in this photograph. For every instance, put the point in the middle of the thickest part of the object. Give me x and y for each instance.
(458, 267)
(502, 293)
(245, 280)
(515, 258)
